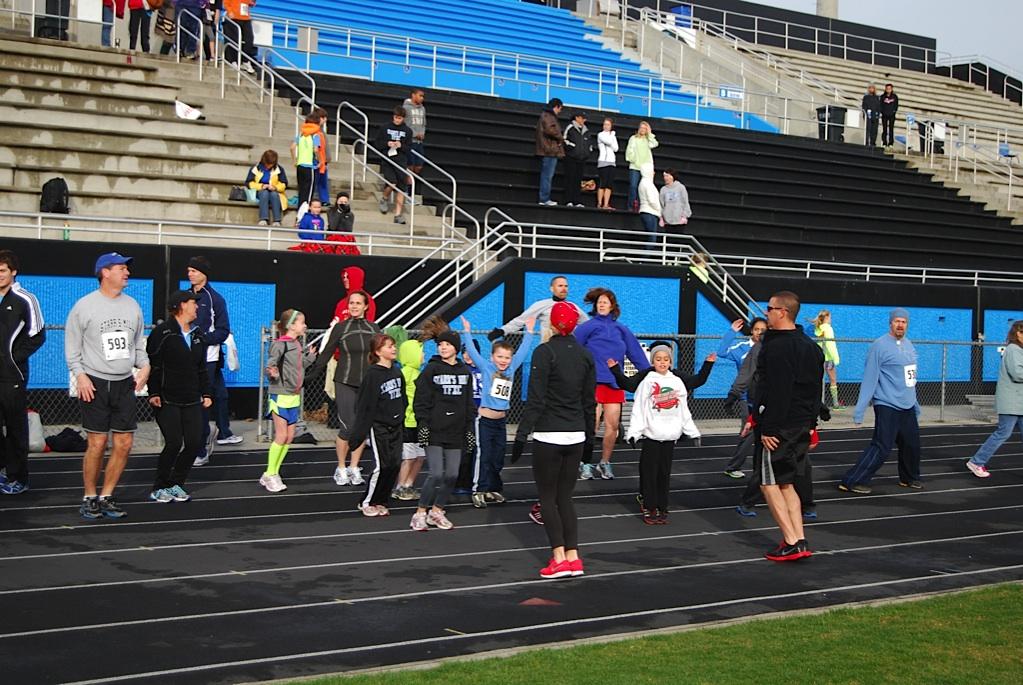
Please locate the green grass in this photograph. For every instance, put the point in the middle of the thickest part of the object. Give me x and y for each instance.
(974, 638)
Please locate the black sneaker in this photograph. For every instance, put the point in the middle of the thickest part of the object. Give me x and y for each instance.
(915, 484)
(855, 489)
(90, 509)
(108, 507)
(804, 549)
(785, 552)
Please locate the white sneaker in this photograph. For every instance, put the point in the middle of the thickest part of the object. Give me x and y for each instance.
(418, 522)
(355, 476)
(247, 68)
(161, 496)
(978, 470)
(278, 483)
(369, 510)
(201, 461)
(269, 482)
(437, 518)
(341, 476)
(230, 440)
(586, 472)
(735, 473)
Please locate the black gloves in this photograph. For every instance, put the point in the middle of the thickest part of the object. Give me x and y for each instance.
(587, 455)
(631, 442)
(697, 442)
(732, 404)
(470, 442)
(495, 334)
(517, 447)
(423, 436)
(824, 413)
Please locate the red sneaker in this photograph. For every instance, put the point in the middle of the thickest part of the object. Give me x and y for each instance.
(556, 569)
(577, 567)
(535, 516)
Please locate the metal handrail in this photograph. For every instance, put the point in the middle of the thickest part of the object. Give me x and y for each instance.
(612, 244)
(548, 72)
(756, 30)
(179, 28)
(362, 138)
(271, 237)
(866, 272)
(989, 62)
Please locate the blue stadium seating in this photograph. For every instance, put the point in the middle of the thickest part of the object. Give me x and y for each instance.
(496, 47)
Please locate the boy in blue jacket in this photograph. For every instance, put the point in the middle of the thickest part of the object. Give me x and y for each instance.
(497, 377)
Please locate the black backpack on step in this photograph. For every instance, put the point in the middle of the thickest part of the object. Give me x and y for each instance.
(54, 199)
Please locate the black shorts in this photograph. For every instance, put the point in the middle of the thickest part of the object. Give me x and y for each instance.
(395, 175)
(113, 407)
(416, 150)
(783, 465)
(410, 434)
(606, 177)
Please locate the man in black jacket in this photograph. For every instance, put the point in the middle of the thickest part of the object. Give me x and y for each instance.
(785, 409)
(578, 148)
(21, 334)
(871, 106)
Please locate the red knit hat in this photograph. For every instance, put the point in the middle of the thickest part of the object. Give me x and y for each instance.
(564, 317)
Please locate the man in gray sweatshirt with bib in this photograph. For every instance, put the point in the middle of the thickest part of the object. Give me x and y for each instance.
(103, 341)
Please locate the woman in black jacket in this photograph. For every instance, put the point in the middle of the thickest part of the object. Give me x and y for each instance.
(179, 389)
(351, 338)
(889, 106)
(560, 412)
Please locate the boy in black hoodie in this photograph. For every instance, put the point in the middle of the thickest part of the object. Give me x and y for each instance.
(380, 415)
(445, 413)
(394, 140)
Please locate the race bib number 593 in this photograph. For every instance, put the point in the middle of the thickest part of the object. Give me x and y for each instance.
(910, 370)
(115, 345)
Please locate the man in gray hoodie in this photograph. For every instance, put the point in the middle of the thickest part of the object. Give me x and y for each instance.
(103, 341)
(675, 210)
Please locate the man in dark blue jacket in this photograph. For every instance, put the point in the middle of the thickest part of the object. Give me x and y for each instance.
(21, 334)
(215, 325)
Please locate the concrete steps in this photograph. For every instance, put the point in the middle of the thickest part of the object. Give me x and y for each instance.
(107, 125)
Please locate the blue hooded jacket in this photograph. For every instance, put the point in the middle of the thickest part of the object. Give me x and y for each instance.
(605, 338)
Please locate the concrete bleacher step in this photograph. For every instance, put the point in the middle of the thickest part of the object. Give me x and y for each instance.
(126, 125)
(119, 105)
(70, 137)
(12, 75)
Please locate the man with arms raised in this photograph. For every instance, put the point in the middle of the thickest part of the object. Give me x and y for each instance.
(540, 311)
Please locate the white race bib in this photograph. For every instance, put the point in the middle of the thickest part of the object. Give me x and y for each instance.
(243, 9)
(501, 389)
(910, 371)
(116, 345)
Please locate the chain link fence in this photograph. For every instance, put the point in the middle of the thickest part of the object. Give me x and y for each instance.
(49, 393)
(955, 382)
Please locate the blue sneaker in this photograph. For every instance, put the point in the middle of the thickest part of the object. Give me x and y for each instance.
(90, 509)
(13, 487)
(743, 511)
(809, 515)
(162, 496)
(3, 476)
(586, 472)
(178, 493)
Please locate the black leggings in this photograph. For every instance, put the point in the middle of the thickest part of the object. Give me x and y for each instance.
(180, 426)
(138, 26)
(887, 129)
(556, 468)
(655, 473)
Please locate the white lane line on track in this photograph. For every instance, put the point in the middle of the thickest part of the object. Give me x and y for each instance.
(532, 627)
(619, 450)
(492, 586)
(674, 474)
(653, 538)
(736, 485)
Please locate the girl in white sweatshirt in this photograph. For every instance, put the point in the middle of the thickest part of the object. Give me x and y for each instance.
(660, 416)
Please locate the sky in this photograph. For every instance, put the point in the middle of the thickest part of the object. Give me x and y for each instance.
(985, 27)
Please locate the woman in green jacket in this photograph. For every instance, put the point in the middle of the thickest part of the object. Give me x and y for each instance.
(826, 339)
(638, 154)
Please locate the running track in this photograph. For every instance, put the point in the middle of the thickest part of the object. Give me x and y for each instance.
(239, 585)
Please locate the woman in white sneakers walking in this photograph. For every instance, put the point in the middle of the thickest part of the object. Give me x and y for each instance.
(1008, 401)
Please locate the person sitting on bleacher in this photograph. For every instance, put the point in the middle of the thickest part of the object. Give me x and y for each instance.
(269, 181)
